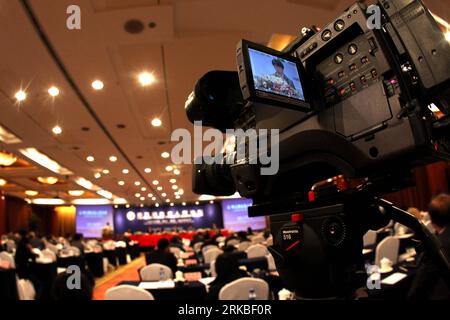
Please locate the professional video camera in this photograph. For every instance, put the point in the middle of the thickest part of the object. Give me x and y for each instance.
(350, 101)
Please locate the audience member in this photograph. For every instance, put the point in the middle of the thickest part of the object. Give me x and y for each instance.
(163, 255)
(24, 254)
(77, 241)
(35, 241)
(428, 284)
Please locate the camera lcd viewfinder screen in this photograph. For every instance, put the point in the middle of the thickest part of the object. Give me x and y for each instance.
(275, 75)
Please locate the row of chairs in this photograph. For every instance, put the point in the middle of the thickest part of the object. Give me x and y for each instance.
(236, 290)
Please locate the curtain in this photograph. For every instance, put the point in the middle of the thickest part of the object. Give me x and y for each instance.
(64, 221)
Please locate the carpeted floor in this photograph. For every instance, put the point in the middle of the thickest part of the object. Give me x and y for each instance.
(128, 272)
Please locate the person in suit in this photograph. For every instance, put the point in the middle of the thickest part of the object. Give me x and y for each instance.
(24, 255)
(227, 269)
(35, 241)
(177, 243)
(427, 283)
(163, 255)
(77, 241)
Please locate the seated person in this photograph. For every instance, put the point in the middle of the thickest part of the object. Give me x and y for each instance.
(24, 256)
(163, 255)
(227, 269)
(198, 237)
(35, 241)
(62, 292)
(177, 243)
(77, 241)
(427, 283)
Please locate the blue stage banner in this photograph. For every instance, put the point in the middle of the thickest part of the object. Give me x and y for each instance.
(143, 219)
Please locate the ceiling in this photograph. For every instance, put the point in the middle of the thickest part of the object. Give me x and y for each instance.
(181, 40)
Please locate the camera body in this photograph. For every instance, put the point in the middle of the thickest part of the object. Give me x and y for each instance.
(351, 100)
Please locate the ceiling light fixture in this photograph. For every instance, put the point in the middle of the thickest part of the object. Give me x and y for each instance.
(173, 181)
(121, 183)
(113, 158)
(180, 192)
(104, 193)
(177, 172)
(137, 183)
(197, 203)
(97, 175)
(171, 204)
(7, 159)
(154, 198)
(156, 122)
(165, 155)
(42, 159)
(142, 198)
(91, 202)
(125, 171)
(20, 95)
(157, 205)
(137, 195)
(105, 171)
(120, 201)
(48, 201)
(155, 182)
(84, 183)
(167, 200)
(53, 91)
(47, 180)
(31, 193)
(98, 85)
(163, 194)
(169, 168)
(174, 187)
(177, 197)
(147, 170)
(76, 193)
(150, 195)
(8, 137)
(143, 189)
(57, 130)
(159, 188)
(183, 204)
(146, 78)
(90, 158)
(3, 182)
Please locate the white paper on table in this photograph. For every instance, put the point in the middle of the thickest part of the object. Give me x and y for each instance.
(393, 278)
(157, 285)
(366, 251)
(206, 281)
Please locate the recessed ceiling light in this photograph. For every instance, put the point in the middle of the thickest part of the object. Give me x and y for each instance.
(154, 198)
(137, 183)
(3, 182)
(155, 182)
(142, 205)
(146, 78)
(48, 201)
(98, 85)
(53, 91)
(159, 188)
(31, 193)
(163, 194)
(105, 171)
(142, 198)
(171, 204)
(47, 180)
(90, 158)
(76, 193)
(150, 195)
(174, 187)
(157, 205)
(156, 122)
(57, 130)
(180, 192)
(211, 201)
(173, 181)
(125, 171)
(121, 183)
(113, 158)
(147, 170)
(97, 175)
(20, 95)
(177, 172)
(127, 206)
(169, 168)
(137, 195)
(197, 203)
(183, 203)
(116, 206)
(165, 155)
(105, 194)
(177, 197)
(167, 200)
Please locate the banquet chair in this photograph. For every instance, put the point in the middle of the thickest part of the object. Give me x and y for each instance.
(244, 245)
(109, 245)
(74, 251)
(258, 239)
(208, 247)
(239, 289)
(232, 242)
(9, 258)
(387, 248)
(152, 272)
(176, 251)
(271, 266)
(52, 247)
(48, 254)
(256, 250)
(25, 289)
(197, 247)
(212, 254)
(220, 239)
(369, 238)
(127, 292)
(10, 246)
(212, 268)
(121, 244)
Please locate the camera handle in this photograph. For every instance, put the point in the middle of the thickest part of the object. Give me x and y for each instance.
(430, 242)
